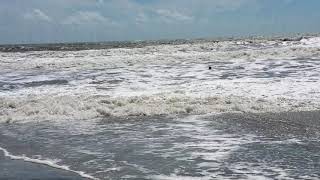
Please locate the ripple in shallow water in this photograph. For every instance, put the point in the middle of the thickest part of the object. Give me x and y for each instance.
(194, 147)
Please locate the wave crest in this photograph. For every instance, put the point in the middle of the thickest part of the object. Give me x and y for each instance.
(88, 107)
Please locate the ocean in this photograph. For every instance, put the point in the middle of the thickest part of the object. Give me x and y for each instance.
(184, 109)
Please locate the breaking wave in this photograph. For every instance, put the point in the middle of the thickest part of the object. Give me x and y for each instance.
(311, 42)
(259, 75)
(88, 107)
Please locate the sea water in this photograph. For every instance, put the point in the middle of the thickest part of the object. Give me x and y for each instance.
(150, 112)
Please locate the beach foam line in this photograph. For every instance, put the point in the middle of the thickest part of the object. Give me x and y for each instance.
(49, 163)
(84, 107)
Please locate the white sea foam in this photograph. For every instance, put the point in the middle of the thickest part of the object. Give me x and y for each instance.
(48, 162)
(82, 107)
(175, 177)
(311, 42)
(246, 76)
(213, 148)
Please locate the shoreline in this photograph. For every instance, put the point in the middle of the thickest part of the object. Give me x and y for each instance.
(18, 169)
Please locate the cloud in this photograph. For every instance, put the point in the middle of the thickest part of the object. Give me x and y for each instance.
(87, 17)
(82, 12)
(110, 19)
(180, 11)
(196, 5)
(37, 15)
(141, 18)
(171, 16)
(225, 5)
(100, 1)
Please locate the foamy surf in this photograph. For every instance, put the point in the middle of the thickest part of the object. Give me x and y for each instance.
(47, 162)
(257, 76)
(128, 112)
(311, 42)
(91, 107)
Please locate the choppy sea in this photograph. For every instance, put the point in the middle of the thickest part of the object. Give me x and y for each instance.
(231, 109)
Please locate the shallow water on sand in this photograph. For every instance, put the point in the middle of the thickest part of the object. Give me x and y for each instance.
(191, 147)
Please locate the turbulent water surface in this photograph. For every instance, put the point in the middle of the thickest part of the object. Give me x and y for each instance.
(197, 110)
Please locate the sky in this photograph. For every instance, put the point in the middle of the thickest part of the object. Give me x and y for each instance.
(43, 21)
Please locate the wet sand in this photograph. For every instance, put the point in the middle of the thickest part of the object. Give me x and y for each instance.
(20, 170)
(286, 124)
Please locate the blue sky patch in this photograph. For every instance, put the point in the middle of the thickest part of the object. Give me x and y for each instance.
(39, 21)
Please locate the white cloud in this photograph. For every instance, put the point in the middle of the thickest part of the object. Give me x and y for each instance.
(87, 17)
(224, 5)
(141, 18)
(130, 11)
(199, 5)
(100, 1)
(181, 11)
(171, 16)
(37, 15)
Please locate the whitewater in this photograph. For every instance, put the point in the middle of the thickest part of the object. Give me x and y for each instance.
(229, 109)
(246, 76)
